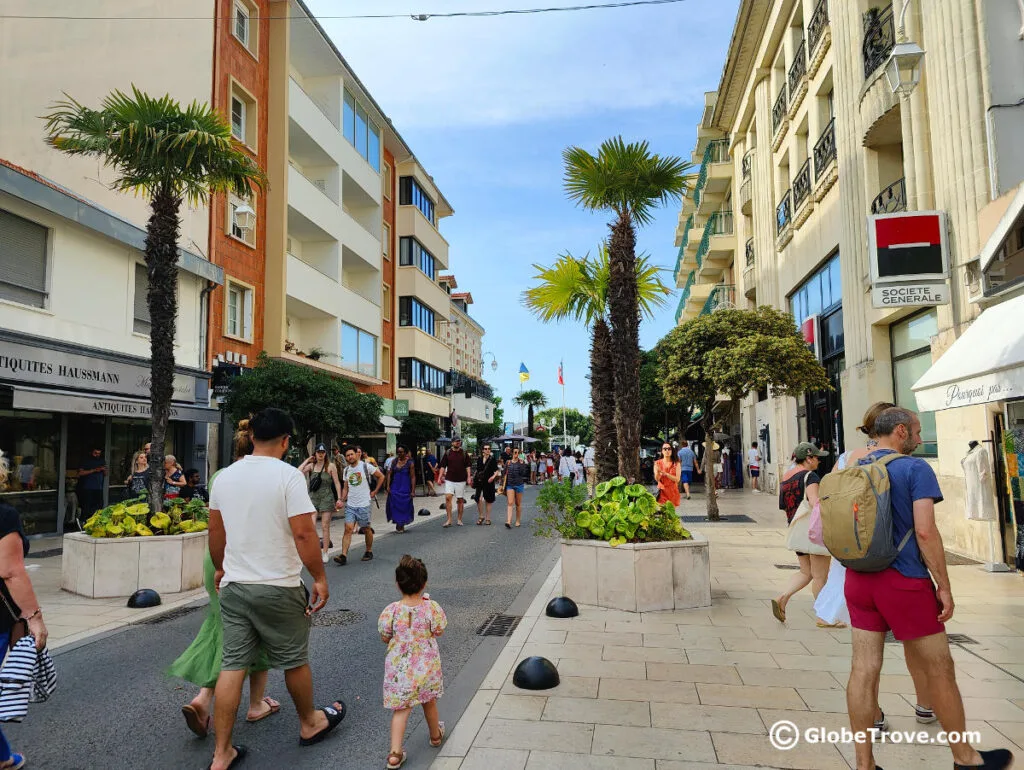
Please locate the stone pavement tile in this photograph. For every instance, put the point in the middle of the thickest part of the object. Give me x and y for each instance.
(781, 677)
(724, 719)
(528, 707)
(683, 672)
(549, 760)
(502, 667)
(618, 669)
(602, 638)
(835, 701)
(668, 764)
(999, 709)
(665, 640)
(649, 654)
(681, 617)
(813, 662)
(461, 739)
(648, 691)
(749, 696)
(719, 632)
(746, 644)
(644, 625)
(568, 624)
(894, 683)
(571, 737)
(597, 711)
(779, 631)
(1012, 731)
(707, 642)
(904, 756)
(544, 636)
(653, 743)
(727, 658)
(495, 759)
(805, 719)
(568, 687)
(447, 763)
(739, 749)
(591, 651)
(991, 688)
(826, 645)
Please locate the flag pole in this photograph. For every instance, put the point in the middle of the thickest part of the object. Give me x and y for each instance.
(565, 432)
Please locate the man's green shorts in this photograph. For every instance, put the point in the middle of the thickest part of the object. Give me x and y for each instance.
(271, 617)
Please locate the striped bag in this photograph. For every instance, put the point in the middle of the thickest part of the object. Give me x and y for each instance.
(16, 677)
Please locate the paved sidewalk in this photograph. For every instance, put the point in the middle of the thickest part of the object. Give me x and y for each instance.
(690, 690)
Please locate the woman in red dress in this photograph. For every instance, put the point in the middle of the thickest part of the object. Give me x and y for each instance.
(666, 474)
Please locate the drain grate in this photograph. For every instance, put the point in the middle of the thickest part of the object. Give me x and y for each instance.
(337, 618)
(953, 639)
(787, 566)
(172, 615)
(46, 554)
(732, 518)
(499, 625)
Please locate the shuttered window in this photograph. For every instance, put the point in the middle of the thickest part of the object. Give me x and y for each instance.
(140, 324)
(22, 260)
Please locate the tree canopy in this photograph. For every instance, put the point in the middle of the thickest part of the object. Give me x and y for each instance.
(577, 423)
(417, 429)
(655, 411)
(318, 403)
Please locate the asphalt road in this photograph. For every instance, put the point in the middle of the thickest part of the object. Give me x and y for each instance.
(115, 707)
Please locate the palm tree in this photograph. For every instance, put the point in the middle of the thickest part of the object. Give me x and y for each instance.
(530, 399)
(577, 289)
(171, 155)
(628, 181)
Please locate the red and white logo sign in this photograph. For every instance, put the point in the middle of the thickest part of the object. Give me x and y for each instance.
(908, 247)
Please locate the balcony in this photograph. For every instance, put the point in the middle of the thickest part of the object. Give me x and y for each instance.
(779, 118)
(819, 36)
(681, 257)
(410, 221)
(413, 282)
(825, 169)
(695, 301)
(802, 200)
(415, 343)
(722, 296)
(314, 118)
(784, 221)
(715, 252)
(359, 242)
(749, 249)
(312, 202)
(716, 151)
(749, 273)
(685, 295)
(892, 199)
(747, 163)
(797, 81)
(879, 39)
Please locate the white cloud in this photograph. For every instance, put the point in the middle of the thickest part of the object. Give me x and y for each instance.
(519, 69)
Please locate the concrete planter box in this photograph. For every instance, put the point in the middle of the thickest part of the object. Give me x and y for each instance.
(100, 568)
(638, 577)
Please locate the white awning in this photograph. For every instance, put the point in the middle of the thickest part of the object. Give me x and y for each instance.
(390, 424)
(986, 364)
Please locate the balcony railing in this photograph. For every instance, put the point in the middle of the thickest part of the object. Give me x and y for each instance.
(816, 26)
(783, 213)
(892, 199)
(879, 38)
(717, 151)
(802, 184)
(685, 296)
(746, 163)
(719, 223)
(682, 246)
(750, 252)
(722, 296)
(779, 110)
(825, 149)
(460, 381)
(799, 67)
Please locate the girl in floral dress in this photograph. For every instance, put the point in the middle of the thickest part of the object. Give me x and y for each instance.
(412, 668)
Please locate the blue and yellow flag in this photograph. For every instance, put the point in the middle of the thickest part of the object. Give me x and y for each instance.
(524, 373)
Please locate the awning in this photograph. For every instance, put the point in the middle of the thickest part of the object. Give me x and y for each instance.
(390, 424)
(986, 364)
(41, 399)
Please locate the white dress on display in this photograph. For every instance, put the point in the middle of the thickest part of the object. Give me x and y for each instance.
(978, 475)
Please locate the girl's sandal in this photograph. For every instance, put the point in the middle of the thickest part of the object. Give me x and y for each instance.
(480, 521)
(440, 738)
(395, 755)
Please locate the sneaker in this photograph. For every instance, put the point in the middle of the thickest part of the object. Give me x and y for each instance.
(996, 759)
(341, 560)
(368, 556)
(924, 716)
(325, 557)
(882, 724)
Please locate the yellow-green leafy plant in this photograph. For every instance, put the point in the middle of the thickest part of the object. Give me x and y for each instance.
(132, 519)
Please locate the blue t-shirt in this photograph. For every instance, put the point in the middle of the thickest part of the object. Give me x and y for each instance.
(686, 457)
(910, 479)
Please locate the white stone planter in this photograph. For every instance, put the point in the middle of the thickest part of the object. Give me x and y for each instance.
(638, 577)
(101, 568)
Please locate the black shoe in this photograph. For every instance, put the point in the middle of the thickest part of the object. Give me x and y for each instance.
(341, 560)
(996, 759)
(368, 556)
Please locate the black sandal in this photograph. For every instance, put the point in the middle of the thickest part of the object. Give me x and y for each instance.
(334, 717)
(240, 752)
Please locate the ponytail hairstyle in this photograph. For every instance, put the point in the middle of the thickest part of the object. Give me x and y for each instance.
(243, 439)
(867, 426)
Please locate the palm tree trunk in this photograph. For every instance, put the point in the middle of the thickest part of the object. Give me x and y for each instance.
(162, 299)
(709, 463)
(624, 314)
(602, 401)
(529, 421)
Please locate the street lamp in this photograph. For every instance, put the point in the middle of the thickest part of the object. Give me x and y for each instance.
(494, 361)
(903, 70)
(244, 218)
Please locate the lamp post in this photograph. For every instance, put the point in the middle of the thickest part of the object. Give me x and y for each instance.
(903, 69)
(494, 362)
(903, 73)
(244, 217)
(450, 387)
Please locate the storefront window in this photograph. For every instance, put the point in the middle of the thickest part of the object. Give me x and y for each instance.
(31, 444)
(126, 438)
(911, 358)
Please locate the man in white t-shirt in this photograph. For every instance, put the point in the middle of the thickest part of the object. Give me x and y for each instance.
(754, 465)
(261, 535)
(358, 475)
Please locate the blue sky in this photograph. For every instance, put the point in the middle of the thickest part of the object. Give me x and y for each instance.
(488, 105)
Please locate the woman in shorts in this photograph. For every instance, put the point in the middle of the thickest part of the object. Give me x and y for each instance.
(484, 476)
(517, 473)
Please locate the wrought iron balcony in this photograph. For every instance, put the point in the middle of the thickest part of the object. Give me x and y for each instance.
(816, 26)
(685, 296)
(746, 163)
(825, 149)
(892, 199)
(750, 252)
(799, 67)
(802, 184)
(783, 212)
(779, 110)
(722, 296)
(717, 151)
(879, 38)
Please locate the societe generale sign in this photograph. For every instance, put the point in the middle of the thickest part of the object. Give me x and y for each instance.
(909, 259)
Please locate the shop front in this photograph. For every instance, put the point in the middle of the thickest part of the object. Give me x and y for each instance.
(61, 403)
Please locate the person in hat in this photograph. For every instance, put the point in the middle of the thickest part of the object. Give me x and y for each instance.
(324, 490)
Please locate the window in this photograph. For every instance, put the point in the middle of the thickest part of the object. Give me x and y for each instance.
(412, 253)
(361, 132)
(385, 301)
(412, 312)
(23, 250)
(385, 364)
(242, 24)
(358, 350)
(388, 192)
(911, 358)
(140, 320)
(385, 241)
(237, 118)
(411, 194)
(246, 235)
(238, 311)
(243, 116)
(413, 373)
(819, 293)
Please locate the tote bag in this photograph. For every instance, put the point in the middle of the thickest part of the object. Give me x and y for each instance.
(798, 535)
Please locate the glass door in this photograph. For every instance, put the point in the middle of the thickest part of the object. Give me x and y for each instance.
(30, 442)
(85, 493)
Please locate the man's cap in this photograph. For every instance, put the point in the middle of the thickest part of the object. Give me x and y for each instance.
(806, 449)
(321, 447)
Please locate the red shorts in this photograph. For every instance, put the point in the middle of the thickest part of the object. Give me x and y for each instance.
(888, 600)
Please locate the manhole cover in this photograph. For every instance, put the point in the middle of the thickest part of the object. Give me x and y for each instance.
(499, 625)
(172, 615)
(732, 518)
(337, 618)
(787, 566)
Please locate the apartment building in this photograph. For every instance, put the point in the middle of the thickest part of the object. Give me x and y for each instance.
(472, 397)
(816, 168)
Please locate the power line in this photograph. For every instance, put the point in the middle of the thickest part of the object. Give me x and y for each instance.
(413, 16)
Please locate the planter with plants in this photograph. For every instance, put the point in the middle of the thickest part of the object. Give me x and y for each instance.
(623, 550)
(124, 547)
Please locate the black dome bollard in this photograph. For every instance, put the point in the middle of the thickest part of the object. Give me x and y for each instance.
(143, 598)
(424, 512)
(562, 607)
(535, 673)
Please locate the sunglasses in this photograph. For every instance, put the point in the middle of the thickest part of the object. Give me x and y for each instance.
(666, 449)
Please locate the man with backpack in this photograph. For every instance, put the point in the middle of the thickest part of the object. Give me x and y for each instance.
(878, 518)
(356, 497)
